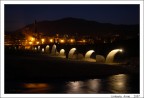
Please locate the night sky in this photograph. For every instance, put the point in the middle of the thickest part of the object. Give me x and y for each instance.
(17, 16)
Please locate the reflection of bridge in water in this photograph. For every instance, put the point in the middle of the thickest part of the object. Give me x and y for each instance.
(76, 52)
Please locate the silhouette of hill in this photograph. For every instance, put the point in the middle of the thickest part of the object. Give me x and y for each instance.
(72, 26)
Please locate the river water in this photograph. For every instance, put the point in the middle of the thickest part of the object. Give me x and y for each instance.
(120, 83)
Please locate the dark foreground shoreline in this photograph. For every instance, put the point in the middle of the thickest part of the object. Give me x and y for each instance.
(40, 67)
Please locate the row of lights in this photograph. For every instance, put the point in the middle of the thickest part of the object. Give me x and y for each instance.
(32, 40)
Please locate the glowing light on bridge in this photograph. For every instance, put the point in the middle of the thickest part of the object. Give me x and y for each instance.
(89, 53)
(53, 51)
(43, 50)
(111, 55)
(35, 48)
(38, 47)
(88, 56)
(62, 52)
(71, 53)
(47, 49)
(120, 50)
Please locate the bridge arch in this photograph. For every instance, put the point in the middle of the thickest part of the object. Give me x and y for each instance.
(71, 53)
(89, 53)
(53, 50)
(111, 55)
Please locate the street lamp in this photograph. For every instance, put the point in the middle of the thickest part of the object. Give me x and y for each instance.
(43, 40)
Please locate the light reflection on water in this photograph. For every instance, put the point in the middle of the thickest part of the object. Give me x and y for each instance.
(35, 87)
(89, 86)
(118, 83)
(113, 84)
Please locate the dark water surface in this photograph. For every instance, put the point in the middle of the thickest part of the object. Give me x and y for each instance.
(120, 83)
